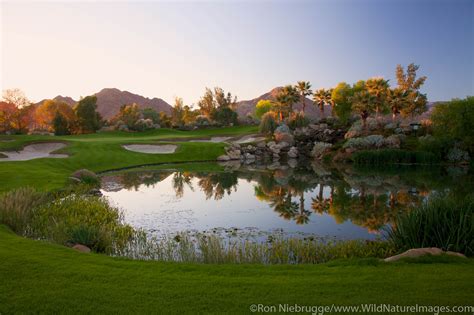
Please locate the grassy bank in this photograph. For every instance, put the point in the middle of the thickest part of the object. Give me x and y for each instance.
(50, 279)
(103, 151)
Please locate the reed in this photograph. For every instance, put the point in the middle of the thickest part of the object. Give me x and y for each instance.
(445, 222)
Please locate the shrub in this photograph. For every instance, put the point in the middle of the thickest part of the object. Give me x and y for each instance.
(263, 107)
(225, 116)
(268, 123)
(454, 121)
(444, 222)
(298, 120)
(88, 219)
(86, 177)
(17, 208)
(392, 156)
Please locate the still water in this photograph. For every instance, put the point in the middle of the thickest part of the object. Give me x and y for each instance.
(339, 202)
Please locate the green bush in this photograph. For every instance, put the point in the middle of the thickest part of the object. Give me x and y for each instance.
(444, 222)
(298, 120)
(17, 208)
(74, 219)
(268, 123)
(393, 156)
(86, 177)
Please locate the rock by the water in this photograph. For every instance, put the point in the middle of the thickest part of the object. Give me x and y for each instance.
(81, 248)
(293, 153)
(319, 149)
(223, 158)
(417, 252)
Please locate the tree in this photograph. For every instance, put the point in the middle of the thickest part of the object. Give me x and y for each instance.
(206, 104)
(15, 97)
(150, 113)
(128, 115)
(304, 88)
(45, 113)
(341, 95)
(177, 112)
(364, 103)
(286, 98)
(397, 100)
(7, 111)
(15, 111)
(189, 115)
(454, 121)
(263, 106)
(225, 116)
(377, 88)
(60, 125)
(88, 119)
(409, 84)
(321, 98)
(224, 100)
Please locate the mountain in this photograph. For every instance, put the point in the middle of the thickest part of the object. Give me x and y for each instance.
(110, 100)
(244, 108)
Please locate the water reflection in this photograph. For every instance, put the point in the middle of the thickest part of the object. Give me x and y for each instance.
(340, 201)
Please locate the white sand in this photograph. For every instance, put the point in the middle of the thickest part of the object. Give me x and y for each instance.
(213, 139)
(35, 151)
(151, 148)
(249, 139)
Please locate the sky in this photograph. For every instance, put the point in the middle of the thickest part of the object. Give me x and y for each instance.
(176, 49)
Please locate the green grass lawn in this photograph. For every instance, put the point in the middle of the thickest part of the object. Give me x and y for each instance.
(103, 151)
(43, 278)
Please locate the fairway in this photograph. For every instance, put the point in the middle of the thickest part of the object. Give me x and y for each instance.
(103, 151)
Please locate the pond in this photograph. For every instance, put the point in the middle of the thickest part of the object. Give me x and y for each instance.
(255, 201)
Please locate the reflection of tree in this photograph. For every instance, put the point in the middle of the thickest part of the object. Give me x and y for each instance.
(134, 180)
(179, 180)
(369, 200)
(217, 184)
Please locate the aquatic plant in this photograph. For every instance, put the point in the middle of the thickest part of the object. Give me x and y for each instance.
(214, 249)
(392, 156)
(445, 222)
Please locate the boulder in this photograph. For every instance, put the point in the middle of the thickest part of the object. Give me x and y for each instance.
(283, 134)
(319, 149)
(81, 248)
(393, 142)
(417, 252)
(457, 155)
(223, 158)
(293, 153)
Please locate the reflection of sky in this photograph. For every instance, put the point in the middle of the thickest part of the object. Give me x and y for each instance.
(157, 210)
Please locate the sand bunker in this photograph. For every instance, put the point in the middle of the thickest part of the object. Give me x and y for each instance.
(213, 139)
(151, 148)
(249, 139)
(35, 151)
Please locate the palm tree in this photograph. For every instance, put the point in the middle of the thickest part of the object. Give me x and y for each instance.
(319, 98)
(286, 98)
(363, 103)
(330, 101)
(397, 100)
(304, 88)
(378, 88)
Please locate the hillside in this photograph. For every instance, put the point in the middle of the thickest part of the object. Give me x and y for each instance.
(110, 100)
